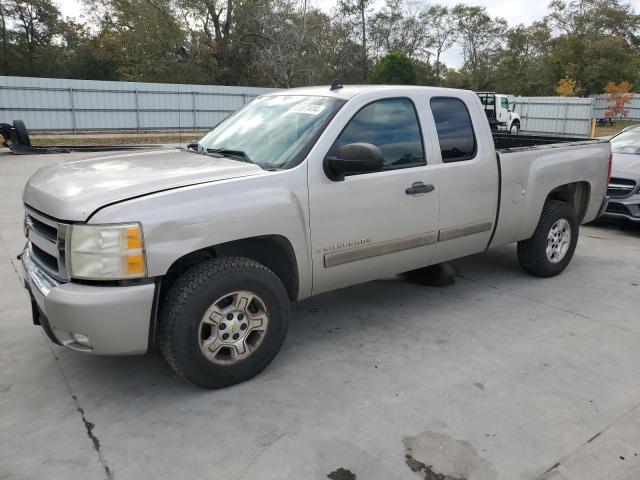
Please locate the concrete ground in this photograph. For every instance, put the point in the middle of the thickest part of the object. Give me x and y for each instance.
(499, 376)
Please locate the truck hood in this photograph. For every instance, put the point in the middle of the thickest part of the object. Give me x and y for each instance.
(626, 165)
(73, 190)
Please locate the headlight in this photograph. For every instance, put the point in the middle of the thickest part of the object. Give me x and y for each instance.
(107, 252)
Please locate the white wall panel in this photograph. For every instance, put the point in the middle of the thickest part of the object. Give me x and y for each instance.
(55, 104)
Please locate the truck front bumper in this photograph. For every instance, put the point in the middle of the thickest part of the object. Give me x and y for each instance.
(92, 319)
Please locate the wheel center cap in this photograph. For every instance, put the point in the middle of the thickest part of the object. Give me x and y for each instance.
(233, 327)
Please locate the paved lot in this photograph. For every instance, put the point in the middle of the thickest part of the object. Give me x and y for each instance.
(500, 376)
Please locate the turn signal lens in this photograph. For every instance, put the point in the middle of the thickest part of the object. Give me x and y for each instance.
(135, 265)
(134, 238)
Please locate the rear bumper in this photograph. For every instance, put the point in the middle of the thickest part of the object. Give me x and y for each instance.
(116, 320)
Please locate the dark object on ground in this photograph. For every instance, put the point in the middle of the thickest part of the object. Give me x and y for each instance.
(603, 122)
(5, 131)
(16, 138)
(439, 275)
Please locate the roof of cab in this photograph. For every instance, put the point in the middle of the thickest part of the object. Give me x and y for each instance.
(349, 91)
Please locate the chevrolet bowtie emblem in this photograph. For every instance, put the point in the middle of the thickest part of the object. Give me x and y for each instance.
(234, 328)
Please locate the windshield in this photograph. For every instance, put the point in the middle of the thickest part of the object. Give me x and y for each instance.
(627, 142)
(273, 131)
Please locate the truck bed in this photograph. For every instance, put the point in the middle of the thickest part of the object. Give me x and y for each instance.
(531, 166)
(505, 142)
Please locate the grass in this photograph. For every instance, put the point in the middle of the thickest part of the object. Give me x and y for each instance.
(148, 138)
(153, 138)
(609, 131)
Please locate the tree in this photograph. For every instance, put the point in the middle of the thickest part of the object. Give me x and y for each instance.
(4, 38)
(619, 95)
(399, 29)
(359, 8)
(394, 69)
(594, 19)
(480, 36)
(288, 46)
(522, 66)
(595, 41)
(36, 23)
(567, 87)
(141, 37)
(438, 20)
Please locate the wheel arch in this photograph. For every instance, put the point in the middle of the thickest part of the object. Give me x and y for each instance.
(576, 194)
(273, 251)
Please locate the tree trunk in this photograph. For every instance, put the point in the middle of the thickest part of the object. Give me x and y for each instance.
(4, 67)
(364, 40)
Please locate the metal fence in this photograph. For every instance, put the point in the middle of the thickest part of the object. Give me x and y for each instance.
(555, 115)
(602, 104)
(53, 104)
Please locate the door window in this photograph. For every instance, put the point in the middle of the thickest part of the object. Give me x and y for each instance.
(504, 103)
(455, 130)
(391, 125)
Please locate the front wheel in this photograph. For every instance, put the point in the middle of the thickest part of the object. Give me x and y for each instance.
(515, 129)
(223, 321)
(550, 249)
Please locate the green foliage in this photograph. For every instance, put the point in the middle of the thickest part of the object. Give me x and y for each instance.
(480, 36)
(287, 43)
(394, 69)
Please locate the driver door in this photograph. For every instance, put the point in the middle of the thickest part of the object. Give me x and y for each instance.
(373, 224)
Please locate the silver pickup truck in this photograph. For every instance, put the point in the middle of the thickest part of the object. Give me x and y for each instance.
(201, 250)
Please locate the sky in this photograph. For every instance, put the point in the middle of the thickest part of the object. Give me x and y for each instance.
(514, 11)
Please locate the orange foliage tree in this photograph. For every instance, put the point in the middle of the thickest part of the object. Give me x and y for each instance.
(567, 87)
(618, 96)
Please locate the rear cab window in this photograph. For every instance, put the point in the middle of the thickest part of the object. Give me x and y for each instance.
(455, 129)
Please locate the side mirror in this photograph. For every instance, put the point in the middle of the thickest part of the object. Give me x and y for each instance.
(353, 158)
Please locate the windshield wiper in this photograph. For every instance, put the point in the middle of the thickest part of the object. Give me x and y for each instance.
(227, 152)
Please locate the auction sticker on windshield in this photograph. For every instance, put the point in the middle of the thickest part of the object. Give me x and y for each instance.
(309, 109)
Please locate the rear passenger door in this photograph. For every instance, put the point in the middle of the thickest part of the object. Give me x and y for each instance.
(467, 176)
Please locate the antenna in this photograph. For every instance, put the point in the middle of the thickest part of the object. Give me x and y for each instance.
(335, 85)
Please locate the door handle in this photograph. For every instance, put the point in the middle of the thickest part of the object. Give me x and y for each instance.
(418, 188)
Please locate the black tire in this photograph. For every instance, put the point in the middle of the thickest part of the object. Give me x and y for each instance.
(191, 296)
(532, 252)
(22, 132)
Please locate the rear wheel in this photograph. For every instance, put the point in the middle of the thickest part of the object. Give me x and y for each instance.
(550, 249)
(223, 321)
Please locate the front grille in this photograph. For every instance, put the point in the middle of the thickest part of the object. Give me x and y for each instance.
(44, 258)
(47, 243)
(618, 208)
(45, 230)
(620, 187)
